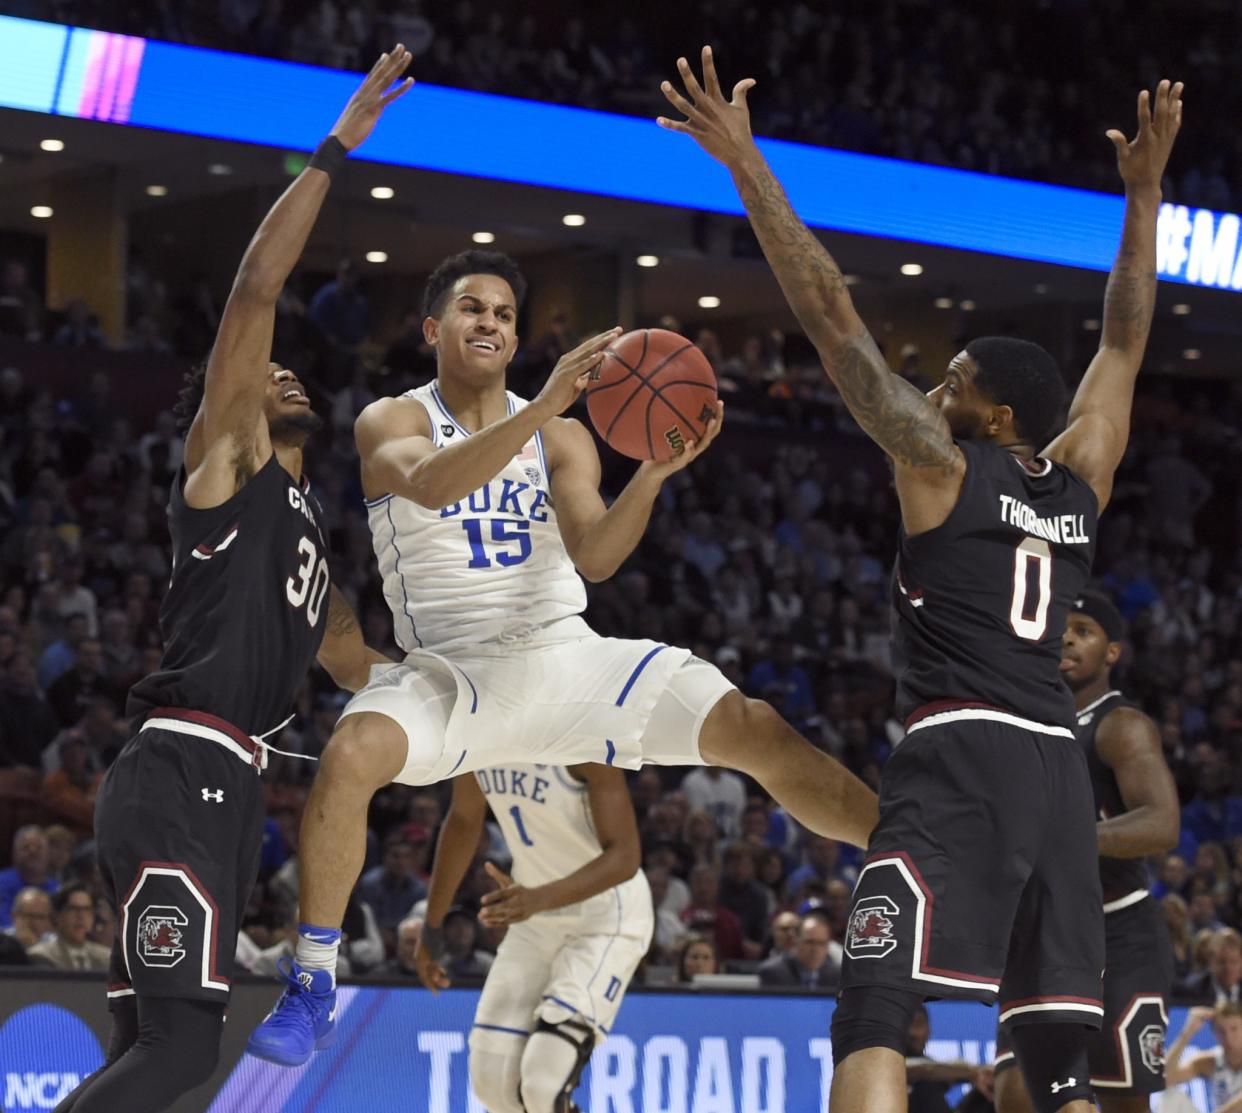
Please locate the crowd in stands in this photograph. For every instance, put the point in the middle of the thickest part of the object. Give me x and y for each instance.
(773, 562)
(1026, 96)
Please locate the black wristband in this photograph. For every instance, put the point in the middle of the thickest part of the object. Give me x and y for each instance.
(329, 156)
(433, 941)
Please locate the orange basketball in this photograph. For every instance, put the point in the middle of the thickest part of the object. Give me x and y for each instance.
(653, 392)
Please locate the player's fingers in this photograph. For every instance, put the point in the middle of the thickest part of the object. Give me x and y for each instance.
(596, 344)
(710, 81)
(677, 100)
(397, 93)
(692, 83)
(1144, 112)
(1119, 141)
(741, 89)
(1160, 104)
(675, 125)
(496, 874)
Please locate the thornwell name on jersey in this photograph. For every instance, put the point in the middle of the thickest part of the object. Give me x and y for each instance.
(1064, 529)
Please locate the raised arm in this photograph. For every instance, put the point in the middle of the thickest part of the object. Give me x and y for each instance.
(228, 439)
(1095, 438)
(1178, 1070)
(459, 838)
(399, 457)
(893, 413)
(612, 813)
(1129, 744)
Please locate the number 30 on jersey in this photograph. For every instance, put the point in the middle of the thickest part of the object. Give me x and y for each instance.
(309, 584)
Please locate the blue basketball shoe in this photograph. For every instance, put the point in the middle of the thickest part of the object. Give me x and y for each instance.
(303, 1019)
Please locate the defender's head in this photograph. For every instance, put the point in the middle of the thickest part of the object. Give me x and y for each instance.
(470, 310)
(290, 419)
(1092, 640)
(1001, 389)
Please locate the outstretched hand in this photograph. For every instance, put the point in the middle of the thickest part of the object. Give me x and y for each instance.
(721, 127)
(1142, 160)
(375, 94)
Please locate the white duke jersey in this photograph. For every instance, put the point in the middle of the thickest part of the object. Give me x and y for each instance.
(490, 564)
(544, 814)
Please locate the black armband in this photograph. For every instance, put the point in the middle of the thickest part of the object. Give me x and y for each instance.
(329, 156)
(433, 941)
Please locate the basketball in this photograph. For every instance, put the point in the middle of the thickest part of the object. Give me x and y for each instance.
(653, 392)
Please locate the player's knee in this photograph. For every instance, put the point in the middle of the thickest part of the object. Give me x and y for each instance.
(738, 732)
(1011, 1095)
(366, 750)
(495, 1083)
(552, 1064)
(872, 1016)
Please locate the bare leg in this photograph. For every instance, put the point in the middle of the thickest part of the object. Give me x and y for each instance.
(817, 790)
(366, 751)
(869, 1081)
(1011, 1092)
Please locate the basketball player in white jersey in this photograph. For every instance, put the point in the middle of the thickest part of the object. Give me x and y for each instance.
(579, 919)
(486, 514)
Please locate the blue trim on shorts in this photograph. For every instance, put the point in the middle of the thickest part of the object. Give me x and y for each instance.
(616, 892)
(501, 1028)
(612, 751)
(404, 593)
(457, 763)
(638, 672)
(565, 1005)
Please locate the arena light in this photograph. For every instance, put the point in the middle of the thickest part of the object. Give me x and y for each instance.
(484, 237)
(967, 305)
(219, 169)
(125, 79)
(41, 212)
(573, 220)
(1181, 309)
(648, 260)
(383, 193)
(1040, 287)
(1192, 354)
(377, 256)
(1091, 324)
(911, 270)
(709, 301)
(157, 191)
(51, 145)
(943, 303)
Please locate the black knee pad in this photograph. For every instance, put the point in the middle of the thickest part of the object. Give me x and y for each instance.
(184, 1035)
(872, 1016)
(1053, 1058)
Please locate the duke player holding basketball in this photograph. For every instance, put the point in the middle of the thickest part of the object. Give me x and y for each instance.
(485, 514)
(578, 916)
(179, 817)
(980, 880)
(1136, 801)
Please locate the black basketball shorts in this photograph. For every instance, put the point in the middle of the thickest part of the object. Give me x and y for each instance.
(1126, 1056)
(980, 880)
(178, 828)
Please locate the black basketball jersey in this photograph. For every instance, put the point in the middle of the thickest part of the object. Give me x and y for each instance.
(980, 602)
(1118, 876)
(247, 606)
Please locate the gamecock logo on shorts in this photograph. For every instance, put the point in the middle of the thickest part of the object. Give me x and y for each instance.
(870, 932)
(1151, 1047)
(159, 935)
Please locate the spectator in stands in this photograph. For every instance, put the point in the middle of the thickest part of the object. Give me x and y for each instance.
(80, 328)
(392, 888)
(822, 858)
(697, 956)
(809, 966)
(341, 313)
(707, 916)
(103, 931)
(1177, 920)
(463, 960)
(21, 309)
(1221, 982)
(409, 931)
(718, 791)
(29, 868)
(29, 724)
(82, 684)
(70, 948)
(32, 916)
(784, 934)
(59, 657)
(70, 790)
(669, 930)
(1222, 1064)
(783, 683)
(1214, 815)
(742, 895)
(61, 844)
(931, 1079)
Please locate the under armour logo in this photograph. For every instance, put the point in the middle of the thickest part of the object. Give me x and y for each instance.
(217, 795)
(1057, 1087)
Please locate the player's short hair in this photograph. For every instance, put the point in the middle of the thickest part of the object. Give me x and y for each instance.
(62, 896)
(190, 398)
(471, 262)
(1023, 376)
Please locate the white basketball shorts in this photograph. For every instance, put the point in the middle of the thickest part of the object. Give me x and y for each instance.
(563, 696)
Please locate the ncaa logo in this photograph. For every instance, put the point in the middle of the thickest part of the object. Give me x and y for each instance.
(870, 931)
(45, 1052)
(159, 935)
(1151, 1047)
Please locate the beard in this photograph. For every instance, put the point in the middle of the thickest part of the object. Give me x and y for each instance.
(294, 429)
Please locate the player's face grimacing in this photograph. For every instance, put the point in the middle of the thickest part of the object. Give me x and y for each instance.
(1085, 650)
(290, 418)
(476, 333)
(963, 405)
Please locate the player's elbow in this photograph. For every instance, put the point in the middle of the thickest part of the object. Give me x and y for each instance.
(626, 859)
(595, 571)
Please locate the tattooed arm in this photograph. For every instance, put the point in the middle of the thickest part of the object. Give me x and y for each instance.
(1099, 418)
(929, 466)
(342, 652)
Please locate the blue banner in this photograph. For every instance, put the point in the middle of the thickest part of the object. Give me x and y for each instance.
(128, 80)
